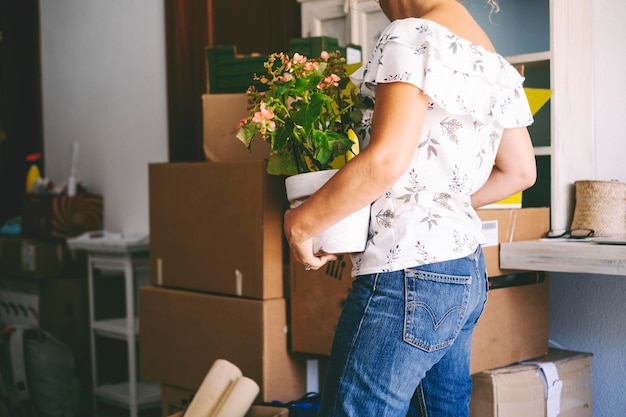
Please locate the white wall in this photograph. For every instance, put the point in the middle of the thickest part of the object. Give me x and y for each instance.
(103, 82)
(587, 312)
(103, 64)
(609, 47)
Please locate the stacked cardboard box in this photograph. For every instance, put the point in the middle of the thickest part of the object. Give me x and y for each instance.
(217, 278)
(40, 259)
(558, 383)
(217, 227)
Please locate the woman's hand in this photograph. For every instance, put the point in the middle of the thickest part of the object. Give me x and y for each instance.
(302, 246)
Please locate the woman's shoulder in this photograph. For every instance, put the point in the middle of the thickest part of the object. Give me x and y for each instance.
(463, 78)
(436, 43)
(413, 31)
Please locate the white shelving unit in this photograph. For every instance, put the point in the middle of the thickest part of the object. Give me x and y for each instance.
(357, 22)
(132, 261)
(541, 61)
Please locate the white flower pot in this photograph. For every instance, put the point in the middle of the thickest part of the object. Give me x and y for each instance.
(348, 235)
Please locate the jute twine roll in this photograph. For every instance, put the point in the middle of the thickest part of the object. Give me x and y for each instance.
(601, 206)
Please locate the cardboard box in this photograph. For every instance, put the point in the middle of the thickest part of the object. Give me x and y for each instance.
(184, 332)
(316, 300)
(561, 382)
(31, 258)
(221, 116)
(513, 327)
(59, 306)
(217, 227)
(59, 216)
(257, 411)
(510, 225)
(174, 400)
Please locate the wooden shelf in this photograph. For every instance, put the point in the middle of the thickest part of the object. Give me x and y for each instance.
(574, 257)
(529, 59)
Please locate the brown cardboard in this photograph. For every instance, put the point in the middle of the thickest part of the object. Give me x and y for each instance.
(519, 390)
(513, 327)
(217, 227)
(184, 332)
(513, 225)
(33, 258)
(267, 411)
(257, 411)
(317, 298)
(221, 116)
(174, 400)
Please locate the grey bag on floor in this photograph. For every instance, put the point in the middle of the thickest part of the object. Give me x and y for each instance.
(43, 372)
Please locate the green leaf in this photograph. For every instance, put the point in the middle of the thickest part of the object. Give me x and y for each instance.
(307, 113)
(280, 140)
(322, 145)
(281, 164)
(283, 89)
(339, 142)
(245, 134)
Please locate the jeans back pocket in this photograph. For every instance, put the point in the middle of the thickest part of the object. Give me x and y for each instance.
(435, 308)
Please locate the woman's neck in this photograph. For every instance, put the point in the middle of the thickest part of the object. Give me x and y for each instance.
(401, 9)
(448, 13)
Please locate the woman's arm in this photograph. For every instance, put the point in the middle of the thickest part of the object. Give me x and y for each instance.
(515, 169)
(396, 126)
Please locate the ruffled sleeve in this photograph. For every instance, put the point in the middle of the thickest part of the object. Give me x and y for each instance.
(462, 78)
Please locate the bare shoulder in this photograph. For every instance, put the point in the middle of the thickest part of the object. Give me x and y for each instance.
(460, 22)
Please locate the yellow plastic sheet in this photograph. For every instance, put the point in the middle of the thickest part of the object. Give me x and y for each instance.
(537, 98)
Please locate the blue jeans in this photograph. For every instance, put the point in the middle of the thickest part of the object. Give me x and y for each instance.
(402, 343)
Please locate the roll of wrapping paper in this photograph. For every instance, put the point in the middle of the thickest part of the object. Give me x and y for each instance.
(238, 398)
(215, 385)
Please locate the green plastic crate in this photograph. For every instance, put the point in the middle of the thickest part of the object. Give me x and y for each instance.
(229, 73)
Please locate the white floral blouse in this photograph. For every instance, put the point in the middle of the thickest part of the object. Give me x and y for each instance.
(474, 94)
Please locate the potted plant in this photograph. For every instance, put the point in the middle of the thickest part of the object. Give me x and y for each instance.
(308, 111)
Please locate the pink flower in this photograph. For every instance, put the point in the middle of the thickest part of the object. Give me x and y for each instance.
(298, 59)
(331, 79)
(325, 55)
(263, 114)
(286, 77)
(311, 66)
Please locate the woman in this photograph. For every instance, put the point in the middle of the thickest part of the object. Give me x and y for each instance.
(447, 107)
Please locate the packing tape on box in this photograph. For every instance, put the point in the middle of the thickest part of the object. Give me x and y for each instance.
(238, 282)
(511, 230)
(160, 272)
(554, 387)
